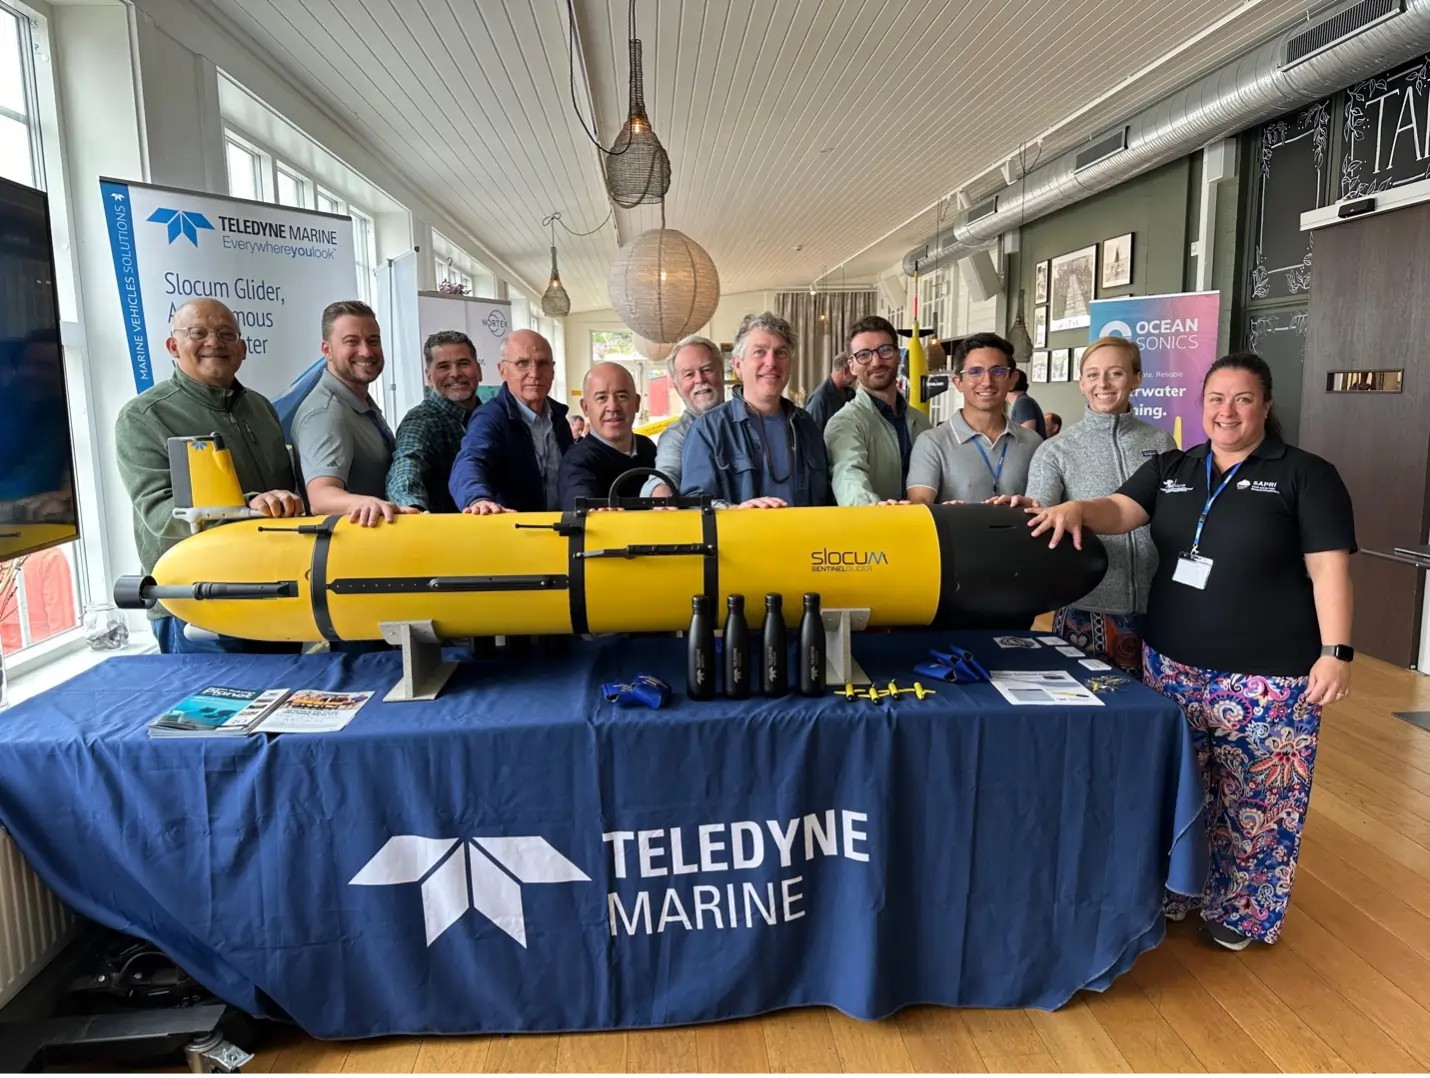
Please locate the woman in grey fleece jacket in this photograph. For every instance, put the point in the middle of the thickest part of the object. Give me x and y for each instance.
(1092, 459)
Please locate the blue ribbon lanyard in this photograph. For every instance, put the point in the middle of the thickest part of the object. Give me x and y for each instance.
(997, 473)
(1211, 497)
(387, 437)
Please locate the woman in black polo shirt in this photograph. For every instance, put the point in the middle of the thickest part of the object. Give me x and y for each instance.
(1248, 627)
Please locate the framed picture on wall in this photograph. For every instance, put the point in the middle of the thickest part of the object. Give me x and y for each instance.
(1058, 364)
(1075, 369)
(1040, 283)
(1072, 284)
(1117, 261)
(1040, 327)
(1038, 368)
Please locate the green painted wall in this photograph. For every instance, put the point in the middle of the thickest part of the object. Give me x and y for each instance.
(1156, 208)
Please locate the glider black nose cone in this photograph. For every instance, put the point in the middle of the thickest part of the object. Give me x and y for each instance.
(996, 574)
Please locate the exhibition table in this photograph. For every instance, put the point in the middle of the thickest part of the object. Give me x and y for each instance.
(520, 855)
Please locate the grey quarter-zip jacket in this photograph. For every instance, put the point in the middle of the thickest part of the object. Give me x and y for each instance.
(1092, 459)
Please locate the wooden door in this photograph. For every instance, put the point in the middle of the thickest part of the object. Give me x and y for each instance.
(1370, 311)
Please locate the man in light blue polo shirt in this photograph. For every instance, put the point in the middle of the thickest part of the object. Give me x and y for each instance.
(978, 454)
(344, 445)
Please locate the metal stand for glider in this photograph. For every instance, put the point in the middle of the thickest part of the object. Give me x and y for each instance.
(840, 667)
(424, 674)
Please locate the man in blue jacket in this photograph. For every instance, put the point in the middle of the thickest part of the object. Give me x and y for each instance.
(758, 450)
(510, 460)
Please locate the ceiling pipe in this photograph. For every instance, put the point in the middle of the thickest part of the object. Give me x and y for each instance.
(1256, 87)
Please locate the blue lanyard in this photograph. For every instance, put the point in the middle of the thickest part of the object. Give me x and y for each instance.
(387, 438)
(995, 472)
(1211, 497)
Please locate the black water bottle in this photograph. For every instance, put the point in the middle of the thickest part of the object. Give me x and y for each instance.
(700, 653)
(811, 648)
(774, 655)
(737, 650)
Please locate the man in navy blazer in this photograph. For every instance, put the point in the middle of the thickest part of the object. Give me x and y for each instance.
(510, 460)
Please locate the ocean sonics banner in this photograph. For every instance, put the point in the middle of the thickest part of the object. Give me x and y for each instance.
(1178, 337)
(275, 266)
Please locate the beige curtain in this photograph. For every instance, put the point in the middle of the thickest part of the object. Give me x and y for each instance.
(821, 328)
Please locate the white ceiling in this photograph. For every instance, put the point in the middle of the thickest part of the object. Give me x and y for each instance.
(802, 134)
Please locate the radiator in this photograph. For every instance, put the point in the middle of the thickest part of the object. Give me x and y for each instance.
(34, 925)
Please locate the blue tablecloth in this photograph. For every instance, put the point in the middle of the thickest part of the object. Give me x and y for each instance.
(520, 855)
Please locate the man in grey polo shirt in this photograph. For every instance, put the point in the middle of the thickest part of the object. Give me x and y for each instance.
(343, 443)
(978, 454)
(697, 370)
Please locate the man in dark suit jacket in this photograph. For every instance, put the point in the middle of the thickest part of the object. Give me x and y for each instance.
(610, 448)
(510, 460)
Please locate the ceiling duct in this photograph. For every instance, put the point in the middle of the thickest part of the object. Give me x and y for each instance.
(1101, 150)
(1256, 87)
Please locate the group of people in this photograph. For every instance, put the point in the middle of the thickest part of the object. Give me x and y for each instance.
(1228, 587)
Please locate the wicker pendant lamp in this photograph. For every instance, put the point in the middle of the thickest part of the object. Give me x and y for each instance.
(1018, 335)
(663, 285)
(637, 166)
(555, 303)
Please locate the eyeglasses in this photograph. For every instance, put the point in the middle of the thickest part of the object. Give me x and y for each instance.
(542, 366)
(865, 355)
(199, 333)
(995, 374)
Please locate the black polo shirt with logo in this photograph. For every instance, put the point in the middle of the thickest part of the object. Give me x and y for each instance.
(1257, 614)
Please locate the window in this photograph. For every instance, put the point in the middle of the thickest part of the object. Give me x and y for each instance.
(365, 254)
(245, 171)
(616, 344)
(293, 189)
(329, 203)
(447, 272)
(17, 141)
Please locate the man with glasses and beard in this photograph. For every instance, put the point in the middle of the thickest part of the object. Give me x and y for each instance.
(978, 454)
(697, 369)
(870, 440)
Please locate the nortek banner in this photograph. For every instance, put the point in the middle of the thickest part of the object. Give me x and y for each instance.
(276, 267)
(1178, 337)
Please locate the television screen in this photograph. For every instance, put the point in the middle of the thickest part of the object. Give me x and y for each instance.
(37, 494)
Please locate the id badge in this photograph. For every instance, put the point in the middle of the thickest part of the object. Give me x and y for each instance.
(1192, 570)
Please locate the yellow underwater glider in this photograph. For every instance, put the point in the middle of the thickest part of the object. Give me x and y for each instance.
(323, 578)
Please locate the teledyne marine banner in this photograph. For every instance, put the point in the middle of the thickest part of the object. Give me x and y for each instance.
(1178, 337)
(275, 266)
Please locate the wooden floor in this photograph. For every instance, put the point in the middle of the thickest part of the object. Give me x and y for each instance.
(1347, 988)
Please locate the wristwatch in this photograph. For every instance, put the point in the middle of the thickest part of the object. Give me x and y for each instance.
(1344, 652)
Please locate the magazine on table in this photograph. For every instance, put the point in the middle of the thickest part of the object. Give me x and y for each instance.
(1045, 688)
(310, 711)
(218, 711)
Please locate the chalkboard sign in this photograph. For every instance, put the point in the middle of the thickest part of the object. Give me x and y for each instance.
(1387, 131)
(1292, 180)
(1279, 337)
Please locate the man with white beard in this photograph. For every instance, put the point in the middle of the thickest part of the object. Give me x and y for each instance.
(697, 371)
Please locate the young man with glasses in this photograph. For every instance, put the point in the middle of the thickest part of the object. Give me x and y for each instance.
(870, 440)
(202, 397)
(978, 454)
(510, 460)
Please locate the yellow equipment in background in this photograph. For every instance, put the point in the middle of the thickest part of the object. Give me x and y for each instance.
(311, 579)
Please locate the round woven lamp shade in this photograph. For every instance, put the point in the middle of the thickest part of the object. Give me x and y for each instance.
(652, 349)
(663, 285)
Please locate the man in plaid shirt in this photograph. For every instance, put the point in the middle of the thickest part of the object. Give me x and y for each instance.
(430, 435)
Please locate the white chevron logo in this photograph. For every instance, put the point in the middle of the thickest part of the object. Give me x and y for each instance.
(495, 867)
